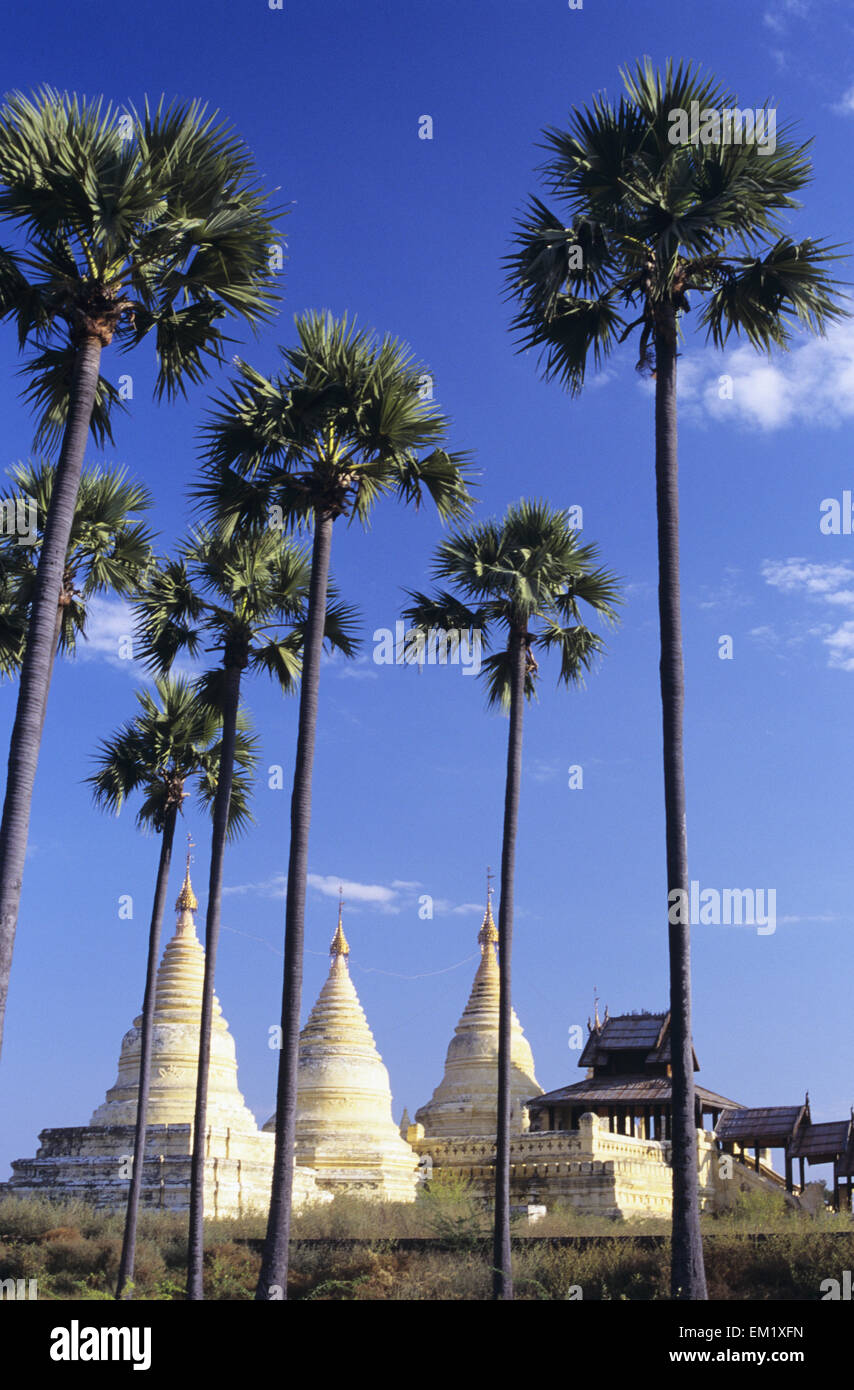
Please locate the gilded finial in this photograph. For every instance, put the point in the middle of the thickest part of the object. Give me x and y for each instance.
(597, 1022)
(488, 934)
(339, 945)
(186, 900)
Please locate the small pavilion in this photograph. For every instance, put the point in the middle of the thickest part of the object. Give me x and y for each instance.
(765, 1127)
(832, 1143)
(790, 1128)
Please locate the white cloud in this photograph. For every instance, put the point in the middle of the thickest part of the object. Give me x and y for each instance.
(374, 893)
(777, 18)
(727, 594)
(831, 583)
(828, 581)
(401, 895)
(273, 887)
(542, 769)
(845, 106)
(447, 909)
(109, 621)
(327, 885)
(352, 672)
(840, 644)
(813, 383)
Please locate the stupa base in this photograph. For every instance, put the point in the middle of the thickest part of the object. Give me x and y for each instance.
(94, 1165)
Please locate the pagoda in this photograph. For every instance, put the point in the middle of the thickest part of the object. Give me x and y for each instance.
(94, 1161)
(466, 1100)
(175, 1049)
(344, 1130)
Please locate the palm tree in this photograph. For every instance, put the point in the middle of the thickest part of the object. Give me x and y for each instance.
(239, 591)
(527, 577)
(647, 220)
(175, 738)
(338, 429)
(126, 224)
(108, 552)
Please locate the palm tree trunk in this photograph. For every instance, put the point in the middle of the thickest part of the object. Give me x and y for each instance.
(38, 655)
(196, 1249)
(273, 1279)
(158, 908)
(57, 632)
(687, 1274)
(502, 1271)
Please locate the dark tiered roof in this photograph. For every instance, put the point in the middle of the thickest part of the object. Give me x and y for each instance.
(638, 1033)
(766, 1127)
(620, 1090)
(824, 1143)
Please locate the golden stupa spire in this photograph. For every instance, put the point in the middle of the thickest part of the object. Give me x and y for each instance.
(488, 934)
(186, 900)
(339, 945)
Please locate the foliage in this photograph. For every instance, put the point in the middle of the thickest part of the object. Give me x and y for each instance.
(645, 220)
(72, 1250)
(126, 224)
(343, 425)
(174, 738)
(108, 551)
(455, 1214)
(236, 592)
(527, 574)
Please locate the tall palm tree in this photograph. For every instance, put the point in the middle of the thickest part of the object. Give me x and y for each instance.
(175, 738)
(341, 427)
(238, 591)
(108, 552)
(647, 218)
(525, 578)
(124, 225)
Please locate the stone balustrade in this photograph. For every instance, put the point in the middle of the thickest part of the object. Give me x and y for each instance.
(594, 1169)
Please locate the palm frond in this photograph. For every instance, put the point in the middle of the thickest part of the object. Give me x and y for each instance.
(767, 297)
(48, 394)
(659, 208)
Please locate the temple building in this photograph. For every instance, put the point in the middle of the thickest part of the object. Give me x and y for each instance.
(93, 1161)
(601, 1144)
(628, 1084)
(345, 1132)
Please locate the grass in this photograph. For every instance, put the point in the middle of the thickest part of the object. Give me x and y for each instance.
(73, 1252)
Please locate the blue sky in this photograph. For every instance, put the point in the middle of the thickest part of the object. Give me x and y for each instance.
(408, 234)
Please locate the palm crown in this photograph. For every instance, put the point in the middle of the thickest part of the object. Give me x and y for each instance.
(238, 592)
(132, 223)
(174, 738)
(341, 426)
(108, 551)
(530, 576)
(647, 219)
